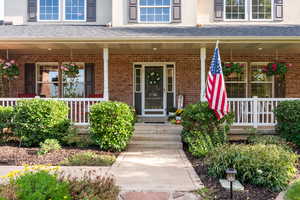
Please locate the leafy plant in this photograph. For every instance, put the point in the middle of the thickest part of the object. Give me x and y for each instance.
(72, 138)
(270, 166)
(89, 159)
(276, 69)
(37, 120)
(111, 125)
(288, 120)
(9, 69)
(230, 68)
(6, 117)
(202, 131)
(293, 192)
(48, 146)
(93, 187)
(206, 193)
(269, 139)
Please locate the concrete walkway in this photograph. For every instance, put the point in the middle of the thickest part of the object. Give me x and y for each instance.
(155, 174)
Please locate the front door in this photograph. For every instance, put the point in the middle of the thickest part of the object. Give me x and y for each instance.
(154, 90)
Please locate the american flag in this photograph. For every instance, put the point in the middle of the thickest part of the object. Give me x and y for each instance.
(215, 90)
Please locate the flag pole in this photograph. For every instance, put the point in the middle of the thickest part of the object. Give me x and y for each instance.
(217, 44)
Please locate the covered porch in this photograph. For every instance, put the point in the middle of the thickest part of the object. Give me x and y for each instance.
(121, 71)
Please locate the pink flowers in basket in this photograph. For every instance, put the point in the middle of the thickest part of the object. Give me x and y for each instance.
(9, 69)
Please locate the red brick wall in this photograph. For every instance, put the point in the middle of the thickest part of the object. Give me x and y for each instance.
(187, 71)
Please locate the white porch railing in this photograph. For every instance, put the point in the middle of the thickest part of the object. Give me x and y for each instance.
(255, 111)
(79, 107)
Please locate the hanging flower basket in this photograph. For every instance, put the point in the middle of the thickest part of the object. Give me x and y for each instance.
(273, 69)
(9, 69)
(70, 70)
(233, 69)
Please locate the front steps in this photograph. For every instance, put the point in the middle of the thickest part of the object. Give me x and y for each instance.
(156, 136)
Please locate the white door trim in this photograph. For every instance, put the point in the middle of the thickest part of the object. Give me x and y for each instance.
(165, 91)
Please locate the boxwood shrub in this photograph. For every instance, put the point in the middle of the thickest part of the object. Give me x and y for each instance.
(288, 120)
(111, 125)
(270, 166)
(6, 116)
(37, 120)
(202, 131)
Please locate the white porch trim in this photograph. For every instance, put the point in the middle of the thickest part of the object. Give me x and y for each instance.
(203, 73)
(105, 74)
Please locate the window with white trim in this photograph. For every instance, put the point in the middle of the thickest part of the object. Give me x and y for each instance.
(235, 9)
(261, 9)
(154, 11)
(49, 10)
(251, 82)
(75, 10)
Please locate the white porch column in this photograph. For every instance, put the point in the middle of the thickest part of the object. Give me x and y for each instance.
(105, 73)
(203, 73)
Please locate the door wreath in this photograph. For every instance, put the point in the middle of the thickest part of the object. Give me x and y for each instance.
(153, 78)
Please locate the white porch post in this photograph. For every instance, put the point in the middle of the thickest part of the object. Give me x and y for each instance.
(203, 74)
(105, 73)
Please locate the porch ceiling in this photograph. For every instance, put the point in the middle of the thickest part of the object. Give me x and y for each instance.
(147, 48)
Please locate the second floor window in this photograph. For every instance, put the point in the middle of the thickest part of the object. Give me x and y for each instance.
(75, 10)
(154, 11)
(49, 10)
(248, 9)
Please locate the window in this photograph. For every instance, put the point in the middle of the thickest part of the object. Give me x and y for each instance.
(235, 9)
(75, 10)
(252, 82)
(49, 10)
(155, 11)
(261, 9)
(74, 87)
(236, 84)
(51, 81)
(48, 80)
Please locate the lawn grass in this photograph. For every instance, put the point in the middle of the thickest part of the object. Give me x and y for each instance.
(293, 192)
(89, 159)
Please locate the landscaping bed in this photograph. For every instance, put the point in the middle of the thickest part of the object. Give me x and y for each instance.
(12, 155)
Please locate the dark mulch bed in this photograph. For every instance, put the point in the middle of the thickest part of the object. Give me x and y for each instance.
(250, 193)
(12, 155)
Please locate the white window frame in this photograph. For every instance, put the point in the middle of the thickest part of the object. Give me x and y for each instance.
(42, 20)
(64, 12)
(236, 20)
(154, 22)
(246, 77)
(272, 12)
(261, 82)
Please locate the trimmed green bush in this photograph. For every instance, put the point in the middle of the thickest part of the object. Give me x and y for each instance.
(6, 116)
(42, 186)
(48, 146)
(288, 120)
(111, 125)
(202, 131)
(270, 166)
(37, 120)
(293, 192)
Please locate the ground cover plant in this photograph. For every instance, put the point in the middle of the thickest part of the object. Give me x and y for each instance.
(37, 120)
(44, 183)
(89, 159)
(111, 125)
(49, 145)
(202, 131)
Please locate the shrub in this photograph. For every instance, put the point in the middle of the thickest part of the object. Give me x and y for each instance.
(94, 187)
(111, 125)
(269, 139)
(74, 139)
(264, 165)
(6, 117)
(293, 192)
(48, 146)
(37, 120)
(202, 131)
(89, 159)
(288, 120)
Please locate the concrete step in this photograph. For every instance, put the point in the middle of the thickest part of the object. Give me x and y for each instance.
(156, 137)
(155, 145)
(246, 132)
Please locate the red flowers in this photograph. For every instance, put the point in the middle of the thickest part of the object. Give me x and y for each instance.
(228, 65)
(289, 65)
(274, 67)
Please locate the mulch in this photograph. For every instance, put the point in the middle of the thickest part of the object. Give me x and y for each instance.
(12, 155)
(250, 193)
